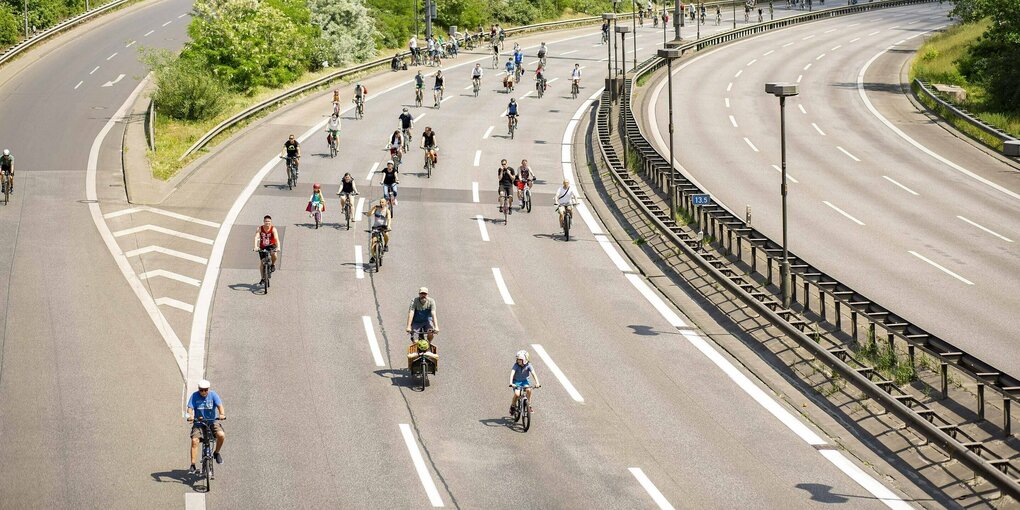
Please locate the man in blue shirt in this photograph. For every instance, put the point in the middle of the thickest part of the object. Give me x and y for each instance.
(511, 113)
(205, 405)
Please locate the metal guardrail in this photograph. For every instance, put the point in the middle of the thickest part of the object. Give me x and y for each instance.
(920, 87)
(729, 226)
(17, 49)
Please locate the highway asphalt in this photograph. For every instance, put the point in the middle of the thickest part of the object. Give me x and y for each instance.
(930, 240)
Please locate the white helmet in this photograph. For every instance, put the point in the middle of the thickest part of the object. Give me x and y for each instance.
(522, 354)
(204, 384)
(390, 162)
(7, 152)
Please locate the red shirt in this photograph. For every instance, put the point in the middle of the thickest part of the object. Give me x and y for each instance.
(267, 238)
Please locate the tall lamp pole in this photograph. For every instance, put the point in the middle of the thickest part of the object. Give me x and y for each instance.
(783, 91)
(669, 54)
(633, 22)
(616, 47)
(609, 59)
(622, 30)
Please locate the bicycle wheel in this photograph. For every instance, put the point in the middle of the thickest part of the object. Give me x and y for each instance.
(347, 213)
(525, 412)
(264, 272)
(424, 372)
(506, 211)
(566, 226)
(527, 199)
(428, 169)
(318, 219)
(7, 192)
(207, 471)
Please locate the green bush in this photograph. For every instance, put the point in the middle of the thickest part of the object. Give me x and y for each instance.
(348, 32)
(10, 26)
(184, 91)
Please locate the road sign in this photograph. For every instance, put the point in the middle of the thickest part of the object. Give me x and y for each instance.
(701, 199)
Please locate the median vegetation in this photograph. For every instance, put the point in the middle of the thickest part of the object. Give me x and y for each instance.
(244, 51)
(980, 55)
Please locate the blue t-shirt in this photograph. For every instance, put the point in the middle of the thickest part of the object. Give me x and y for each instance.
(205, 408)
(518, 57)
(521, 373)
(511, 109)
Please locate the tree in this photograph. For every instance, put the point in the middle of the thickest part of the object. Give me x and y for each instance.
(348, 32)
(992, 61)
(183, 90)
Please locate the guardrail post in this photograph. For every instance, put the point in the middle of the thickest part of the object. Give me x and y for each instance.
(839, 314)
(1007, 422)
(892, 346)
(981, 400)
(910, 354)
(793, 286)
(821, 303)
(871, 332)
(853, 317)
(944, 370)
(807, 297)
(754, 258)
(769, 259)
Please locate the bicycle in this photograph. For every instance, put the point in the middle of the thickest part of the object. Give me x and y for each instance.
(347, 207)
(437, 95)
(391, 199)
(265, 268)
(378, 246)
(331, 139)
(292, 171)
(542, 60)
(513, 126)
(359, 107)
(422, 362)
(505, 203)
(477, 85)
(508, 84)
(518, 72)
(208, 461)
(568, 218)
(397, 157)
(575, 89)
(6, 183)
(522, 411)
(317, 215)
(430, 163)
(605, 37)
(495, 60)
(405, 143)
(526, 197)
(540, 87)
(418, 97)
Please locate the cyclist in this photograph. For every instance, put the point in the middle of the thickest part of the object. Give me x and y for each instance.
(502, 35)
(360, 94)
(575, 75)
(506, 177)
(406, 123)
(316, 202)
(519, 60)
(292, 151)
(206, 405)
(428, 142)
(437, 90)
(381, 219)
(519, 374)
(7, 169)
(605, 32)
(511, 112)
(495, 45)
(525, 177)
(267, 238)
(412, 46)
(422, 314)
(419, 86)
(508, 80)
(333, 129)
(476, 75)
(347, 188)
(718, 15)
(540, 81)
(565, 197)
(390, 180)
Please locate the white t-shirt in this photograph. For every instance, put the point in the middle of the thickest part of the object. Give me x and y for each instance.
(564, 196)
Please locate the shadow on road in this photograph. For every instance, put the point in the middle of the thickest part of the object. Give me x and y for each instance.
(401, 378)
(505, 421)
(643, 330)
(180, 476)
(250, 287)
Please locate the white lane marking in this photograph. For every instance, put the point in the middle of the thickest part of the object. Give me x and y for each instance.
(650, 488)
(913, 36)
(1000, 236)
(180, 305)
(111, 56)
(855, 39)
(788, 44)
(115, 81)
(807, 67)
(873, 33)
(836, 47)
(194, 501)
(93, 71)
(372, 171)
(469, 87)
(162, 273)
(614, 255)
(168, 22)
(169, 214)
(147, 34)
(800, 77)
(359, 263)
(864, 479)
(445, 99)
(488, 132)
(503, 291)
(844, 213)
(853, 25)
(78, 85)
(941, 268)
(671, 317)
(818, 129)
(727, 100)
(478, 157)
(161, 230)
(908, 190)
(851, 156)
(419, 466)
(416, 119)
(130, 44)
(373, 342)
(569, 52)
(552, 80)
(788, 176)
(729, 87)
(819, 57)
(167, 251)
(829, 31)
(359, 209)
(808, 37)
(915, 143)
(555, 369)
(767, 53)
(802, 110)
(901, 41)
(481, 227)
(182, 15)
(733, 121)
(474, 192)
(894, 27)
(588, 218)
(738, 73)
(751, 145)
(752, 62)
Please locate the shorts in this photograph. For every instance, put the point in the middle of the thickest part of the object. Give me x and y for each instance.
(196, 431)
(504, 189)
(392, 188)
(438, 88)
(427, 326)
(521, 384)
(270, 248)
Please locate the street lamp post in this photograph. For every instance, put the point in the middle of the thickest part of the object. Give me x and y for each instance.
(609, 58)
(734, 4)
(622, 30)
(633, 22)
(669, 54)
(783, 91)
(616, 47)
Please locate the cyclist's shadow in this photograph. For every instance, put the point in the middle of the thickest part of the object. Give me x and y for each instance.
(505, 421)
(180, 476)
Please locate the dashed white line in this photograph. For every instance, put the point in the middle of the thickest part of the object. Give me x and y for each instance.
(767, 53)
(194, 501)
(788, 176)
(182, 15)
(733, 121)
(808, 37)
(168, 22)
(170, 275)
(650, 488)
(807, 67)
(829, 31)
(469, 87)
(481, 227)
(130, 44)
(373, 342)
(752, 62)
(941, 268)
(474, 192)
(908, 190)
(818, 129)
(751, 145)
(913, 36)
(855, 39)
(359, 209)
(478, 157)
(729, 87)
(416, 119)
(147, 34)
(1000, 236)
(445, 99)
(78, 85)
(738, 73)
(873, 33)
(557, 373)
(894, 27)
(901, 41)
(111, 56)
(802, 110)
(788, 44)
(569, 52)
(359, 263)
(800, 77)
(836, 47)
(93, 71)
(488, 132)
(853, 25)
(844, 213)
(727, 100)
(419, 466)
(851, 156)
(501, 285)
(372, 171)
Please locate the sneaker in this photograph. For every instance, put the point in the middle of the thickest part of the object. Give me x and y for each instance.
(218, 457)
(272, 268)
(385, 248)
(513, 411)
(262, 281)
(192, 470)
(531, 410)
(371, 260)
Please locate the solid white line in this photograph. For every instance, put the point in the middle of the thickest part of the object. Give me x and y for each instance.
(844, 213)
(767, 53)
(416, 119)
(445, 99)
(147, 34)
(729, 86)
(359, 209)
(727, 100)
(166, 251)
(1000, 236)
(169, 214)
(78, 85)
(373, 343)
(943, 269)
(913, 36)
(130, 44)
(671, 317)
(807, 67)
(474, 192)
(568, 52)
(788, 176)
(733, 121)
(478, 157)
(901, 41)
(168, 22)
(908, 190)
(481, 227)
(419, 466)
(836, 47)
(94, 71)
(802, 110)
(818, 129)
(844, 151)
(894, 27)
(614, 255)
(871, 34)
(555, 369)
(738, 73)
(865, 480)
(182, 15)
(800, 77)
(819, 57)
(589, 219)
(751, 145)
(162, 273)
(359, 263)
(469, 87)
(501, 285)
(488, 132)
(161, 230)
(650, 488)
(180, 305)
(111, 56)
(752, 62)
(372, 171)
(194, 501)
(855, 39)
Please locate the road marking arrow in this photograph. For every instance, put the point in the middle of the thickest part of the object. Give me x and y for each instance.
(114, 82)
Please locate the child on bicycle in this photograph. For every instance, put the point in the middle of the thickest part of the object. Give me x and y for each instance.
(316, 203)
(519, 374)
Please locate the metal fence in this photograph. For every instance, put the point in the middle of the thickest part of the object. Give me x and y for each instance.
(921, 88)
